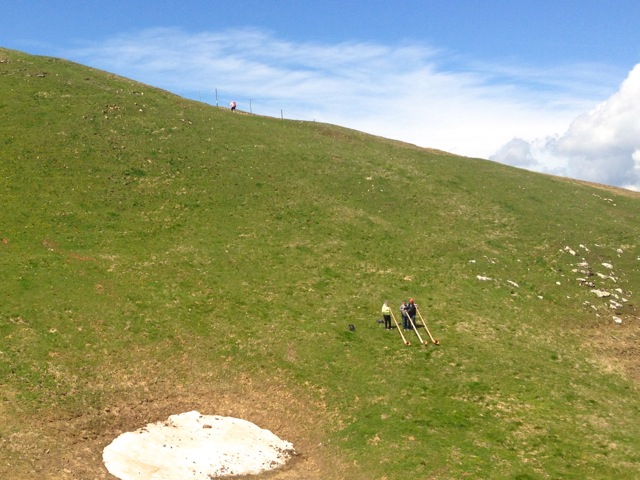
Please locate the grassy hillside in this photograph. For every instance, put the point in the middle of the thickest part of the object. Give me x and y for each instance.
(160, 255)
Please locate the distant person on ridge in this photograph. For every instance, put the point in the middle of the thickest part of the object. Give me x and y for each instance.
(386, 314)
(233, 106)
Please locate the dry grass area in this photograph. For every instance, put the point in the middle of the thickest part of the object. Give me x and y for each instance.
(52, 445)
(607, 188)
(617, 347)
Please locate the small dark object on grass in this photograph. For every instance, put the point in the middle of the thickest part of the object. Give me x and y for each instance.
(352, 327)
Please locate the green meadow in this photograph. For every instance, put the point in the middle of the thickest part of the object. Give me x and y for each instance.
(160, 255)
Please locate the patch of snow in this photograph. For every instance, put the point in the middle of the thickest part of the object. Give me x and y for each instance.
(190, 446)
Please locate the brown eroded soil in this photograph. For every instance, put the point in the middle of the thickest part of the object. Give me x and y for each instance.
(58, 445)
(617, 347)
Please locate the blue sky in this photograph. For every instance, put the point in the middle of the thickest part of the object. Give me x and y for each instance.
(544, 85)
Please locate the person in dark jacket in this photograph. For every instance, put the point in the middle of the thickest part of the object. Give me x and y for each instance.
(411, 312)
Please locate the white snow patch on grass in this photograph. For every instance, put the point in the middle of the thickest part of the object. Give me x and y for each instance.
(195, 447)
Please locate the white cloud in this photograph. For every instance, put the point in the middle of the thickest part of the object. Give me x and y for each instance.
(411, 92)
(602, 145)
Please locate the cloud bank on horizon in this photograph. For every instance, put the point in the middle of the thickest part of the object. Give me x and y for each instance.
(601, 146)
(532, 118)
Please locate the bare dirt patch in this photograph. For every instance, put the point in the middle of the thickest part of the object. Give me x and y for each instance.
(63, 445)
(617, 346)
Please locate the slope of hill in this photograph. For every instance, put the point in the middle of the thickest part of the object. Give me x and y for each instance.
(160, 255)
